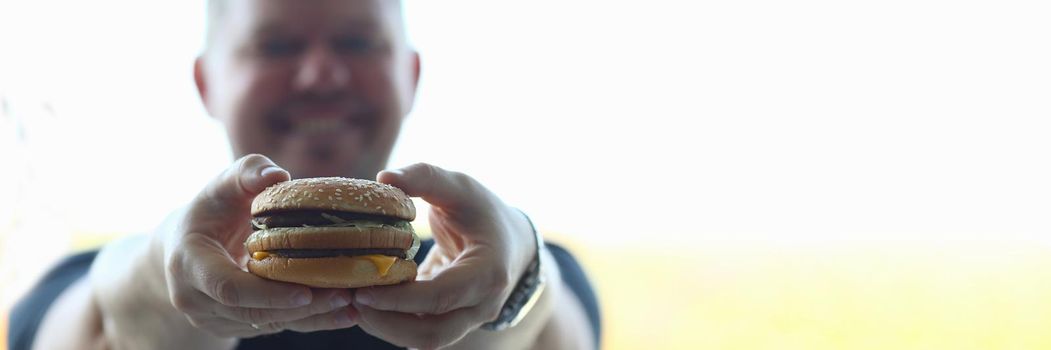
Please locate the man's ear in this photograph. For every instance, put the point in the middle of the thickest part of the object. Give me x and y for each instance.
(414, 60)
(415, 70)
(202, 84)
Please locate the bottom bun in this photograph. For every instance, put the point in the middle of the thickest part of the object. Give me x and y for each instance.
(333, 272)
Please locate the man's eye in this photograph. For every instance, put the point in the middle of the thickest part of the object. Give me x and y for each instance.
(352, 45)
(279, 48)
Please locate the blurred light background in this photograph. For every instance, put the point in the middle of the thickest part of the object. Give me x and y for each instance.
(734, 174)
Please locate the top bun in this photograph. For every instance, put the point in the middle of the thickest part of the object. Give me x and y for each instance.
(337, 194)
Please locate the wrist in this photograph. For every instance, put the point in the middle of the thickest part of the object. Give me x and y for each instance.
(526, 333)
(154, 270)
(528, 286)
(129, 287)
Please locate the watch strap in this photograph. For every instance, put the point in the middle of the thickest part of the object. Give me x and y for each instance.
(526, 291)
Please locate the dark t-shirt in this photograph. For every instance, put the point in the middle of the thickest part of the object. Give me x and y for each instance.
(27, 314)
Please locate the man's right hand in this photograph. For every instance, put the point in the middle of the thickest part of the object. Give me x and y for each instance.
(192, 271)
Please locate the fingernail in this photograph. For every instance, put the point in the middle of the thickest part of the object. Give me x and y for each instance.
(270, 170)
(301, 298)
(363, 297)
(345, 318)
(340, 301)
(396, 172)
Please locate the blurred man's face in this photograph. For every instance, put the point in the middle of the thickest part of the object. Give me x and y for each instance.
(320, 86)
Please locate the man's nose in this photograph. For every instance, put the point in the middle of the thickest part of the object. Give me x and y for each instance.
(321, 71)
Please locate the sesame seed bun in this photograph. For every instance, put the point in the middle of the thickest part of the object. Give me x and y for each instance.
(335, 193)
(332, 272)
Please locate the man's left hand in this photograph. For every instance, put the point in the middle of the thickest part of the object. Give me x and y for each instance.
(482, 246)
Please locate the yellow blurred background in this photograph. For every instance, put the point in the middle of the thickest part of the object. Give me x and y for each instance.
(919, 294)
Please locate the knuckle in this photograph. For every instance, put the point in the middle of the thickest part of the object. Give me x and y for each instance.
(491, 312)
(435, 173)
(252, 315)
(298, 326)
(273, 327)
(249, 160)
(444, 301)
(427, 168)
(462, 180)
(173, 264)
(224, 291)
(497, 282)
(311, 324)
(387, 303)
(181, 301)
(319, 308)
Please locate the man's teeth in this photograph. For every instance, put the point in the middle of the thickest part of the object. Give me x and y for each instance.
(319, 125)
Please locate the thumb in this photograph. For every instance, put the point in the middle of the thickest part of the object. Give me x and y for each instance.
(236, 187)
(439, 187)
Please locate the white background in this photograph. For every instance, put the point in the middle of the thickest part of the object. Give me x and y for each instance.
(611, 122)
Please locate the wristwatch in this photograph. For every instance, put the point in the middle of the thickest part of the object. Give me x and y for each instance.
(527, 291)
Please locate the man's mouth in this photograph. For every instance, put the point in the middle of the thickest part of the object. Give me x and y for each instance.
(318, 125)
(312, 125)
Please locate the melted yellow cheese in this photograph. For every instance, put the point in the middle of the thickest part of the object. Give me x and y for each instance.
(382, 262)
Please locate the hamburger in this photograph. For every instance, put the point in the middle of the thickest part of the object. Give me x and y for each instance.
(333, 233)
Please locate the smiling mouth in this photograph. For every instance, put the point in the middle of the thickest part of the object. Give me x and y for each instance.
(310, 126)
(318, 125)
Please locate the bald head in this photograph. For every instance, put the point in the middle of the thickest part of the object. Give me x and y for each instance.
(218, 10)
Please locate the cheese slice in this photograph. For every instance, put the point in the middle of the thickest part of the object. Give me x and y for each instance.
(382, 262)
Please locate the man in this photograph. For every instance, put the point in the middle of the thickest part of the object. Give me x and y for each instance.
(320, 88)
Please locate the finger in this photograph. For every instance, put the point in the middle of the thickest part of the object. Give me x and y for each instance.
(323, 302)
(224, 328)
(443, 188)
(209, 269)
(234, 189)
(336, 319)
(433, 264)
(417, 331)
(216, 326)
(463, 285)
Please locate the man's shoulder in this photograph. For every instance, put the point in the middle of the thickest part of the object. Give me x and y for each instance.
(30, 310)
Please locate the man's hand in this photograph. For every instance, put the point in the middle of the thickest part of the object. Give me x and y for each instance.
(482, 246)
(192, 271)
(203, 262)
